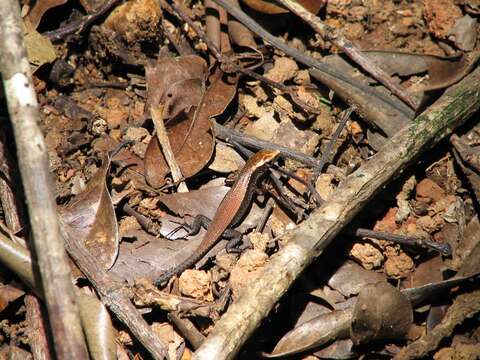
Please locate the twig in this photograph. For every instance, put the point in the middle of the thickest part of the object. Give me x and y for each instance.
(301, 57)
(11, 204)
(17, 259)
(213, 48)
(115, 297)
(164, 141)
(233, 135)
(36, 329)
(187, 329)
(308, 240)
(47, 241)
(333, 140)
(445, 249)
(147, 224)
(78, 26)
(465, 306)
(329, 33)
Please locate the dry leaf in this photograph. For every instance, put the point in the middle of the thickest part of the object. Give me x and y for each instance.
(313, 333)
(191, 139)
(350, 278)
(168, 71)
(40, 8)
(381, 312)
(90, 219)
(39, 49)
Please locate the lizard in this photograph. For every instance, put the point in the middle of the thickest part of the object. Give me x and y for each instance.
(231, 209)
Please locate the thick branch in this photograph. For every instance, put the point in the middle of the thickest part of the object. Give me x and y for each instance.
(33, 161)
(309, 239)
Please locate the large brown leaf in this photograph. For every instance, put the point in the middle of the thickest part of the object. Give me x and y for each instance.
(190, 134)
(165, 75)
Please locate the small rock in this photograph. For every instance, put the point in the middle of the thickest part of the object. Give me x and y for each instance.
(367, 255)
(226, 159)
(284, 69)
(429, 189)
(196, 284)
(399, 266)
(259, 240)
(99, 126)
(246, 270)
(302, 78)
(250, 104)
(135, 134)
(324, 185)
(324, 122)
(302, 140)
(264, 128)
(127, 224)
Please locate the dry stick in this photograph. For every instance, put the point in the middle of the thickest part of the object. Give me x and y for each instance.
(309, 239)
(47, 241)
(334, 36)
(115, 297)
(186, 327)
(164, 141)
(305, 59)
(227, 134)
(465, 306)
(333, 140)
(17, 258)
(11, 204)
(79, 26)
(444, 248)
(37, 336)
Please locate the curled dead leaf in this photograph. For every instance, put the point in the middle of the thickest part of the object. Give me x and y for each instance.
(313, 333)
(381, 312)
(40, 8)
(90, 219)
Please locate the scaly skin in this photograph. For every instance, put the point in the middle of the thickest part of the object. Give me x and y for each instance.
(230, 210)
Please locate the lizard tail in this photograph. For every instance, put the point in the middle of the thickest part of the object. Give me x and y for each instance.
(178, 269)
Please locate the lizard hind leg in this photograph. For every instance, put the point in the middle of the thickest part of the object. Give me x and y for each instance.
(235, 244)
(193, 229)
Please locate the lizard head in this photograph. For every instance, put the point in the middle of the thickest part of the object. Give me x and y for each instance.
(264, 157)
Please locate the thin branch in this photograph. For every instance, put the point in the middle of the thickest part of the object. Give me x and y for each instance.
(445, 248)
(333, 140)
(80, 25)
(47, 241)
(334, 36)
(227, 134)
(164, 141)
(308, 240)
(116, 298)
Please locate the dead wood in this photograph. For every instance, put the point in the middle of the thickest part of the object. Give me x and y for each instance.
(47, 241)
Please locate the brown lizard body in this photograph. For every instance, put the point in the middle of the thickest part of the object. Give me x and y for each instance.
(230, 210)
